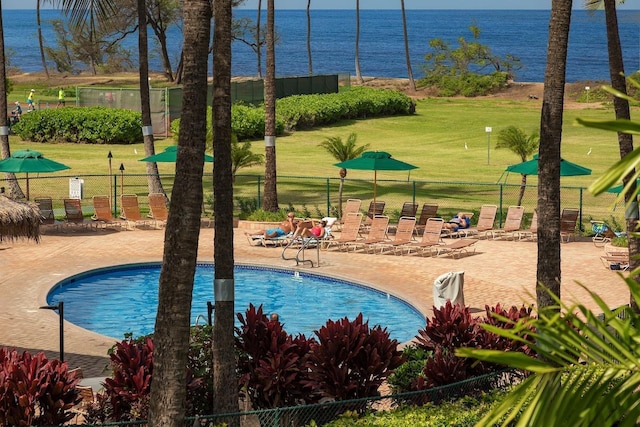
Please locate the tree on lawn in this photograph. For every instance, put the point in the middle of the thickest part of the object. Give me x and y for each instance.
(270, 178)
(517, 140)
(343, 151)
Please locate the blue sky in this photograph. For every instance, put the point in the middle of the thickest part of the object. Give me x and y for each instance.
(385, 4)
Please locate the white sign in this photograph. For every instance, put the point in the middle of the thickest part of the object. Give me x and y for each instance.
(487, 129)
(76, 188)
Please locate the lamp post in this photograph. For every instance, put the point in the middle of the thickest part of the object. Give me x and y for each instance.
(121, 178)
(488, 130)
(587, 88)
(110, 156)
(60, 309)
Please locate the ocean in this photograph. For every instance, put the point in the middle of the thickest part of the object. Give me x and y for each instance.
(522, 33)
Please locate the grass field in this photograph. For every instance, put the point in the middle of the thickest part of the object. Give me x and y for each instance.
(433, 139)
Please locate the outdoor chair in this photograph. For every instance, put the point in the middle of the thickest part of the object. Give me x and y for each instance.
(511, 225)
(568, 221)
(73, 214)
(103, 214)
(429, 210)
(158, 208)
(131, 211)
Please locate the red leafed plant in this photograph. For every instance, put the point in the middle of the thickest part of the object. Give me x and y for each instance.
(35, 390)
(351, 360)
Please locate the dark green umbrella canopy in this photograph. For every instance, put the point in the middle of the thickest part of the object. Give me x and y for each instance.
(29, 161)
(169, 155)
(375, 161)
(530, 167)
(618, 188)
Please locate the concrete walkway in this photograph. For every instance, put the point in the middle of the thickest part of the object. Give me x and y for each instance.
(499, 272)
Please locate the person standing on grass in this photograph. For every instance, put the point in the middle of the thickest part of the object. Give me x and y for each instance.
(61, 101)
(30, 106)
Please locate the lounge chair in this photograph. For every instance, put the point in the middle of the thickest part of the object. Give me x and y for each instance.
(532, 231)
(403, 236)
(511, 224)
(103, 213)
(131, 211)
(377, 234)
(375, 209)
(568, 221)
(458, 247)
(47, 217)
(429, 210)
(409, 209)
(460, 232)
(486, 219)
(158, 208)
(350, 231)
(352, 206)
(73, 213)
(431, 237)
(616, 260)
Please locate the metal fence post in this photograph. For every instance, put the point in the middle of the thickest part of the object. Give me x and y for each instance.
(501, 191)
(115, 195)
(259, 204)
(328, 197)
(580, 226)
(414, 192)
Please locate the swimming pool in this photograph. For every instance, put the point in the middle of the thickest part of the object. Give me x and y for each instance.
(116, 300)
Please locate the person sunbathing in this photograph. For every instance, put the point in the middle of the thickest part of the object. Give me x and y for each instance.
(284, 228)
(458, 222)
(310, 229)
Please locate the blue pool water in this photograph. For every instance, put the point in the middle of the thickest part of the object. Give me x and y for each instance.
(122, 299)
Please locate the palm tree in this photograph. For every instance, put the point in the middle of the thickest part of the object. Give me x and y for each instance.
(40, 42)
(258, 44)
(622, 111)
(5, 151)
(309, 37)
(585, 373)
(548, 266)
(153, 175)
(516, 140)
(358, 74)
(342, 151)
(270, 187)
(171, 337)
(224, 363)
(242, 156)
(412, 82)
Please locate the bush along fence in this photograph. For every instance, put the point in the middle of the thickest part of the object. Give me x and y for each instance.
(318, 196)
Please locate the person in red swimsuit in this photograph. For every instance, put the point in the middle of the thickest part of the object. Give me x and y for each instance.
(310, 229)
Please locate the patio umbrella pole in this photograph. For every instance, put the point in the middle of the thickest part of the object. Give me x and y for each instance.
(27, 185)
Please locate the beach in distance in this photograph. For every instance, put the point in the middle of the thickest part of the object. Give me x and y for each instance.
(522, 33)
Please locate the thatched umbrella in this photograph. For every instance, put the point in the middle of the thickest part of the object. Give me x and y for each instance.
(19, 220)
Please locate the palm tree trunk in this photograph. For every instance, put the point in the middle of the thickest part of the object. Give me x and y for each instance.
(625, 141)
(358, 74)
(224, 363)
(548, 268)
(310, 61)
(523, 187)
(11, 182)
(153, 175)
(40, 41)
(270, 187)
(340, 190)
(171, 337)
(258, 41)
(412, 82)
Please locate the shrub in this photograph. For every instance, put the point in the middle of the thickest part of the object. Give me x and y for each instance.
(35, 390)
(351, 360)
(94, 125)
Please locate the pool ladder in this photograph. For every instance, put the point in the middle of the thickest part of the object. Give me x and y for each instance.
(301, 245)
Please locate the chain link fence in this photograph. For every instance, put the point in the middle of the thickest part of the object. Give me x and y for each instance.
(318, 196)
(323, 413)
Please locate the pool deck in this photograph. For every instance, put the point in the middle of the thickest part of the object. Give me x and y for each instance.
(498, 272)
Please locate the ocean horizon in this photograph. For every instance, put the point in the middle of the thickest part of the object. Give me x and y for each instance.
(522, 33)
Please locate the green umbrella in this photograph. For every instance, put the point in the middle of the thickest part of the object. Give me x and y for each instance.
(530, 167)
(29, 161)
(618, 188)
(375, 161)
(169, 155)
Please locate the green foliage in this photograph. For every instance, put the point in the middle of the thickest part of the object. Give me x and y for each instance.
(34, 390)
(620, 241)
(517, 140)
(91, 125)
(461, 70)
(265, 216)
(307, 111)
(401, 379)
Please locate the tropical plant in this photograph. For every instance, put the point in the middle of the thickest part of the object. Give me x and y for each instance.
(548, 276)
(168, 391)
(242, 156)
(585, 372)
(412, 82)
(343, 151)
(357, 50)
(523, 145)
